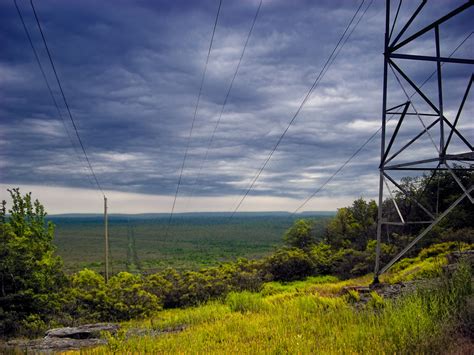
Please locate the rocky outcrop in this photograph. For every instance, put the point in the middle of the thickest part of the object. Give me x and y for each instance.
(87, 331)
(68, 338)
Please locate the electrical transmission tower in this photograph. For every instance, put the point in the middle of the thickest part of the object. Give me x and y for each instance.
(439, 144)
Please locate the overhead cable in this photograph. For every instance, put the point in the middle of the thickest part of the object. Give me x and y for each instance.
(306, 98)
(211, 140)
(38, 61)
(65, 100)
(358, 150)
(194, 116)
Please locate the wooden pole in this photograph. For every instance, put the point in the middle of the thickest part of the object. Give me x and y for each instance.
(106, 235)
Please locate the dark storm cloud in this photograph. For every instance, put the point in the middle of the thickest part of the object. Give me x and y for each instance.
(131, 72)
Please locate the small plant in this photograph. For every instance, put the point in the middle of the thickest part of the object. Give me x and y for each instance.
(376, 301)
(115, 341)
(352, 296)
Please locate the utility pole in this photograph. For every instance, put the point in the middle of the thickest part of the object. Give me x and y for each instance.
(106, 237)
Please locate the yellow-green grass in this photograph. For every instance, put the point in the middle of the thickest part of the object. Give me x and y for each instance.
(308, 316)
(428, 264)
(298, 321)
(304, 324)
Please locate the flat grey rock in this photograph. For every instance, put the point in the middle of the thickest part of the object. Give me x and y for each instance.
(63, 339)
(87, 331)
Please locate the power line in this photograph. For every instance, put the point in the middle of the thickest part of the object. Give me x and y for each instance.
(358, 150)
(350, 33)
(211, 140)
(194, 116)
(46, 81)
(306, 98)
(65, 100)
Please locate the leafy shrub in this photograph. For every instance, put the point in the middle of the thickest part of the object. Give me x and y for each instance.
(322, 257)
(375, 301)
(88, 296)
(428, 268)
(352, 296)
(347, 262)
(289, 264)
(128, 299)
(32, 326)
(465, 235)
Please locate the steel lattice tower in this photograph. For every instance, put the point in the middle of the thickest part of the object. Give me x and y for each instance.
(396, 57)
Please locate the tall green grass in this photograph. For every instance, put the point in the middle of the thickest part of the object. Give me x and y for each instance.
(302, 322)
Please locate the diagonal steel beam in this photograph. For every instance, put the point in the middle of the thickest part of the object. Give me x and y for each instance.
(414, 86)
(408, 23)
(455, 130)
(394, 202)
(459, 182)
(413, 140)
(395, 107)
(466, 93)
(424, 232)
(409, 195)
(395, 132)
(438, 22)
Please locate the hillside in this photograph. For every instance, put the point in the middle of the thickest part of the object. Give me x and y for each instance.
(318, 315)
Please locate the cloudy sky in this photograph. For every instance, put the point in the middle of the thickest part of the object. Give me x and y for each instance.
(131, 72)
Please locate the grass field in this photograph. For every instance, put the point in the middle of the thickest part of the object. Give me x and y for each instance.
(304, 318)
(141, 243)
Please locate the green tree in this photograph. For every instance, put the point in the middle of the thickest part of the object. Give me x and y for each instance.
(354, 226)
(339, 232)
(31, 279)
(300, 235)
(363, 227)
(322, 256)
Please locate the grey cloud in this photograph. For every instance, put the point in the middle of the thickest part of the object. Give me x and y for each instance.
(131, 72)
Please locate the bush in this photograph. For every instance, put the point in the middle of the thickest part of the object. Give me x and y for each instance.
(346, 260)
(289, 265)
(465, 235)
(181, 289)
(87, 296)
(352, 296)
(322, 257)
(375, 301)
(128, 299)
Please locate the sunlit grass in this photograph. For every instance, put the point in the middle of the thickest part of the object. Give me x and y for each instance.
(303, 322)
